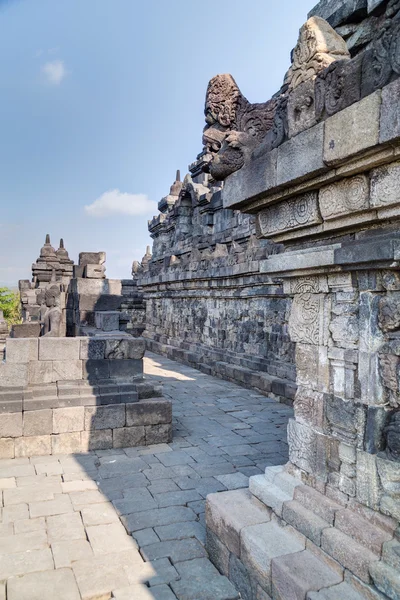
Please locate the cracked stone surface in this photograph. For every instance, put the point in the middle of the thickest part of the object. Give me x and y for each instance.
(129, 522)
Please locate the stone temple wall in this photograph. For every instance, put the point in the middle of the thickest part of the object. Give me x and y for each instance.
(324, 184)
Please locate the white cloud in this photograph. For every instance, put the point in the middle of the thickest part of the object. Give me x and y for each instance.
(54, 71)
(115, 202)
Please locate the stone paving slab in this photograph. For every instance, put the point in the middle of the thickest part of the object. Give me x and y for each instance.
(129, 523)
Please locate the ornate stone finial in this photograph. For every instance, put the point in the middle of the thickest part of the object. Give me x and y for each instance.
(317, 47)
(177, 185)
(61, 253)
(47, 252)
(147, 257)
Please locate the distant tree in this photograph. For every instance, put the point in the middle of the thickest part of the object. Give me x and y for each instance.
(10, 304)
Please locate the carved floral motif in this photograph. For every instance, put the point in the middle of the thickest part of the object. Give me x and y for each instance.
(290, 214)
(317, 47)
(347, 196)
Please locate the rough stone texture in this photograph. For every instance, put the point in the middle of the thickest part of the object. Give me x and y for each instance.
(52, 348)
(353, 130)
(10, 425)
(390, 113)
(38, 445)
(104, 417)
(38, 422)
(68, 419)
(44, 586)
(227, 524)
(295, 575)
(301, 155)
(22, 350)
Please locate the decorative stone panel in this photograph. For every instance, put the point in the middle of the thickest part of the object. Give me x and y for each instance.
(345, 197)
(291, 214)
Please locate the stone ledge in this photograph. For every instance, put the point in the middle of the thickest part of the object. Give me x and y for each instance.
(80, 429)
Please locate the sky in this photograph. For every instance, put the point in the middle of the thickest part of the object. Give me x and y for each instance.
(101, 102)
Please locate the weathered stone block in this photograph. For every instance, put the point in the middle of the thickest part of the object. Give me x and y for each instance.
(125, 349)
(96, 440)
(386, 579)
(128, 437)
(149, 412)
(301, 156)
(367, 480)
(26, 330)
(295, 575)
(337, 87)
(66, 443)
(107, 320)
(38, 422)
(39, 445)
(301, 108)
(390, 113)
(66, 369)
(218, 553)
(126, 368)
(62, 348)
(92, 349)
(104, 417)
(261, 543)
(254, 178)
(21, 350)
(385, 185)
(158, 434)
(7, 448)
(347, 552)
(94, 271)
(10, 425)
(96, 369)
(227, 513)
(69, 419)
(92, 258)
(352, 130)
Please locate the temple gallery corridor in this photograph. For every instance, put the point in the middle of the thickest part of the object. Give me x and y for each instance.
(129, 523)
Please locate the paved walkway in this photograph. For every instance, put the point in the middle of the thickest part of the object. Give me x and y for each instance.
(66, 520)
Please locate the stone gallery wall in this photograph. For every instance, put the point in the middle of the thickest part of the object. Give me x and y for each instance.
(323, 183)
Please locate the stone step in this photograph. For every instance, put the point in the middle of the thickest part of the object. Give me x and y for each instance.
(386, 579)
(268, 493)
(349, 553)
(321, 505)
(260, 544)
(342, 591)
(362, 531)
(304, 520)
(295, 575)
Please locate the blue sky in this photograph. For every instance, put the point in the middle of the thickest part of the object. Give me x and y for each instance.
(101, 102)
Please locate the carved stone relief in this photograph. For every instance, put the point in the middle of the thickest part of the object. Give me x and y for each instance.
(234, 126)
(346, 197)
(307, 321)
(317, 47)
(290, 214)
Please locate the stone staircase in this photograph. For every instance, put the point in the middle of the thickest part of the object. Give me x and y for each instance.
(284, 540)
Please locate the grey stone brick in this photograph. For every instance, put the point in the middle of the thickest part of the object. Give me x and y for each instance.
(104, 417)
(127, 437)
(38, 422)
(10, 425)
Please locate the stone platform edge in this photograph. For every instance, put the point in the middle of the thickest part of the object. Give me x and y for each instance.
(76, 429)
